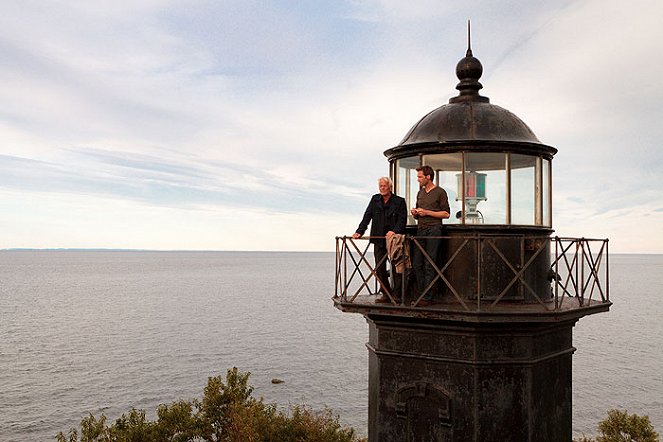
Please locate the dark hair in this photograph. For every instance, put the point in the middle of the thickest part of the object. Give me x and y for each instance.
(427, 171)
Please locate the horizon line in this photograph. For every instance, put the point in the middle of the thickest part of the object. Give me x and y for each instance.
(108, 249)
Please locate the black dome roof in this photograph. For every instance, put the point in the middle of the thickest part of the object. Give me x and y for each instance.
(469, 120)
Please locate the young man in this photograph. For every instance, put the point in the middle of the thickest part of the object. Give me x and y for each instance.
(387, 214)
(432, 207)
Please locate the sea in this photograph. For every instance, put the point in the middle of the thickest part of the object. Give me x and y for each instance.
(103, 331)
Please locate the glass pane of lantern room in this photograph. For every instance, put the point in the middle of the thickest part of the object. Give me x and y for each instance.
(447, 166)
(406, 184)
(523, 189)
(547, 195)
(485, 188)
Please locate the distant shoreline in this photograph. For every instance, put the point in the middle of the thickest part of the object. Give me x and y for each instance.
(63, 249)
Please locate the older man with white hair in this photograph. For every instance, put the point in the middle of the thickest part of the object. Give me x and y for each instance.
(387, 214)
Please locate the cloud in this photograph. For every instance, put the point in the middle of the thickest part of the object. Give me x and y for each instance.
(67, 220)
(283, 112)
(178, 183)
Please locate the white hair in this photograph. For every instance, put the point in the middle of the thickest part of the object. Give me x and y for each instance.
(387, 180)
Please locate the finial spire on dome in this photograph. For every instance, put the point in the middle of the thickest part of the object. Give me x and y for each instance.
(468, 71)
(469, 40)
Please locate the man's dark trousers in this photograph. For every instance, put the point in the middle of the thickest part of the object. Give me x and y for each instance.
(380, 253)
(380, 250)
(423, 269)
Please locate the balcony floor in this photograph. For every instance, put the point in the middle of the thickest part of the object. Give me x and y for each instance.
(503, 311)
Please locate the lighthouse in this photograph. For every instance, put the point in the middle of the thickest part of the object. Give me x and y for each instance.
(490, 359)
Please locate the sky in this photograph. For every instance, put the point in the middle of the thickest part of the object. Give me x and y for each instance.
(261, 125)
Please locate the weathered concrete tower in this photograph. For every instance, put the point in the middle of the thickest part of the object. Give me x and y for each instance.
(491, 359)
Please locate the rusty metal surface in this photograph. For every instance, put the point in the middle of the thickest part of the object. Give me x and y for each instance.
(504, 312)
(469, 121)
(469, 382)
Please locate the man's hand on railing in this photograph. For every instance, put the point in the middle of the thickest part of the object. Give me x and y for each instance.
(356, 235)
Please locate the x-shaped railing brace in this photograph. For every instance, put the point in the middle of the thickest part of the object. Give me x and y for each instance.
(439, 272)
(593, 268)
(373, 272)
(569, 267)
(518, 273)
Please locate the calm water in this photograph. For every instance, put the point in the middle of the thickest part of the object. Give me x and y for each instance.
(96, 332)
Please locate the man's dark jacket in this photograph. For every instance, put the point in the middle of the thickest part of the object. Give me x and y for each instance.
(383, 218)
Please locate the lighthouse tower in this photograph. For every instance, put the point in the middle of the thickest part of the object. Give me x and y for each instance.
(491, 358)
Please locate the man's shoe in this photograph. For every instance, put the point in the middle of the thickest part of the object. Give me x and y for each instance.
(384, 299)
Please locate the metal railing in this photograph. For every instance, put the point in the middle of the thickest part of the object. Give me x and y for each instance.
(581, 269)
(578, 268)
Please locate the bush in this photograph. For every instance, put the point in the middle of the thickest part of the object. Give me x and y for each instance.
(620, 426)
(227, 412)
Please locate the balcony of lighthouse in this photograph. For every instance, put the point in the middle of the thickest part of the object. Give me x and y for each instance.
(481, 277)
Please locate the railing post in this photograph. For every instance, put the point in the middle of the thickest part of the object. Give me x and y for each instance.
(405, 273)
(582, 270)
(607, 271)
(345, 269)
(556, 275)
(478, 240)
(336, 268)
(521, 287)
(575, 280)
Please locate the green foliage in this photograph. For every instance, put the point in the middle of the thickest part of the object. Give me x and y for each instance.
(623, 427)
(175, 422)
(227, 412)
(620, 426)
